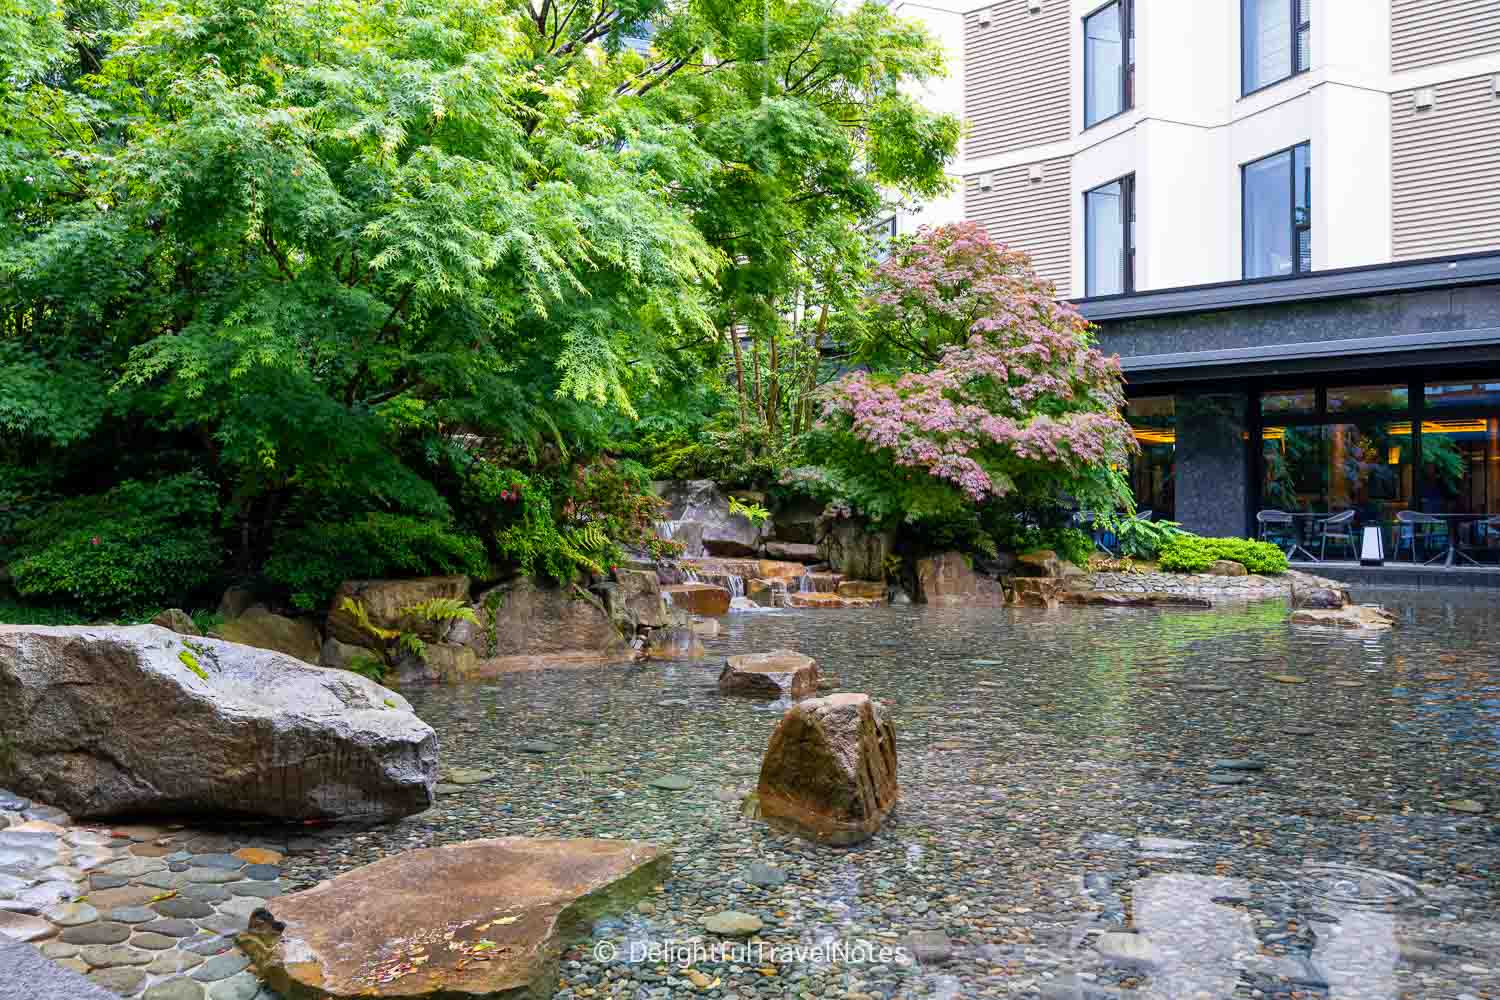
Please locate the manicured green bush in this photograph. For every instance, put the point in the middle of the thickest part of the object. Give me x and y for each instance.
(1188, 553)
(311, 561)
(136, 545)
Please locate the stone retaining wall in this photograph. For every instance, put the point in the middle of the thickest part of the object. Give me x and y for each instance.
(1223, 588)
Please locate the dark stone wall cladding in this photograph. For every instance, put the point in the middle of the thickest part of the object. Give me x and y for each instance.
(1212, 487)
(1305, 322)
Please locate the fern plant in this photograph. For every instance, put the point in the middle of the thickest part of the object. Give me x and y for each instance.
(394, 643)
(749, 510)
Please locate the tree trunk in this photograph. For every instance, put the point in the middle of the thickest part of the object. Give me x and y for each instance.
(773, 400)
(739, 367)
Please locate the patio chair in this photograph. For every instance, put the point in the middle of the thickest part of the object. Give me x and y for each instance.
(1339, 528)
(1486, 536)
(1415, 528)
(1278, 528)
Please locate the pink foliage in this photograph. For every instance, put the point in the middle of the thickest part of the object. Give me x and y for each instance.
(1016, 386)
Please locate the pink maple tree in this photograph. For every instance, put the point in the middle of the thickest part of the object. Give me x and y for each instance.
(1002, 391)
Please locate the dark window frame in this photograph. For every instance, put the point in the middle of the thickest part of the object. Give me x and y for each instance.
(1298, 28)
(1127, 53)
(1127, 235)
(1296, 228)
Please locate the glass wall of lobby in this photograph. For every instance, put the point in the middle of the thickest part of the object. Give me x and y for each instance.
(1379, 448)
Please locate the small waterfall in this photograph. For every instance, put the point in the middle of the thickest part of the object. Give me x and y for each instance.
(779, 594)
(806, 584)
(670, 598)
(690, 575)
(735, 585)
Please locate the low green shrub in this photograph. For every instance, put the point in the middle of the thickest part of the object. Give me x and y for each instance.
(137, 545)
(311, 561)
(1189, 553)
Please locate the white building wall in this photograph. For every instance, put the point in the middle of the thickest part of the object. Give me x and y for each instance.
(1191, 130)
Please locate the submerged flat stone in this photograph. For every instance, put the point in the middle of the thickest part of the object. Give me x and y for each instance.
(482, 918)
(671, 783)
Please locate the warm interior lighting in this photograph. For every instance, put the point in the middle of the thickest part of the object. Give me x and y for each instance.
(1147, 436)
(1443, 427)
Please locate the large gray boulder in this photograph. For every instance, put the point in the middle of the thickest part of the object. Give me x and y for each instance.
(137, 719)
(851, 548)
(698, 502)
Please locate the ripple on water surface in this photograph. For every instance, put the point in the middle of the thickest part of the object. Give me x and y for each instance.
(1092, 800)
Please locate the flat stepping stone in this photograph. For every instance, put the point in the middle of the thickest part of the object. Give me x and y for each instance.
(1349, 684)
(170, 963)
(210, 946)
(221, 967)
(241, 987)
(604, 768)
(71, 914)
(175, 989)
(23, 926)
(212, 875)
(185, 908)
(228, 862)
(537, 746)
(133, 867)
(132, 915)
(1287, 678)
(671, 783)
(152, 942)
(125, 895)
(1228, 778)
(207, 893)
(107, 881)
(172, 928)
(125, 982)
(262, 873)
(59, 949)
(259, 856)
(103, 932)
(260, 890)
(1239, 764)
(226, 923)
(472, 775)
(104, 956)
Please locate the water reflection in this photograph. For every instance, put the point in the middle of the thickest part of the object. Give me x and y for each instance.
(1057, 773)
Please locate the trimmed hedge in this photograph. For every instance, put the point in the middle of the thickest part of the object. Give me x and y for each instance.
(1194, 553)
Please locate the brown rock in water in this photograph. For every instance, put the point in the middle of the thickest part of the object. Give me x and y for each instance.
(949, 579)
(869, 590)
(1320, 598)
(830, 771)
(1032, 591)
(1042, 562)
(1354, 616)
(136, 719)
(263, 630)
(235, 602)
(639, 599)
(797, 552)
(178, 621)
(851, 548)
(440, 663)
(762, 592)
(698, 598)
(483, 919)
(1227, 567)
(1121, 599)
(680, 642)
(779, 674)
(383, 601)
(524, 619)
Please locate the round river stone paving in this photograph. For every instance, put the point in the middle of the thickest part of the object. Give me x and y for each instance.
(179, 907)
(104, 932)
(175, 989)
(226, 861)
(220, 967)
(126, 982)
(172, 928)
(262, 873)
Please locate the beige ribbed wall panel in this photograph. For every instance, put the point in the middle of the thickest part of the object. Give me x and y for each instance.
(1430, 32)
(1017, 77)
(1027, 215)
(1445, 171)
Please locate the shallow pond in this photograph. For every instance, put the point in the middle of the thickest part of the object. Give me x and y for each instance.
(1058, 787)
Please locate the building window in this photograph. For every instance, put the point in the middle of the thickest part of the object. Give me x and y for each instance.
(1108, 62)
(1109, 238)
(1274, 38)
(1277, 212)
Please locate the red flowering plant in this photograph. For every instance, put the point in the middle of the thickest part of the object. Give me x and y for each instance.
(981, 386)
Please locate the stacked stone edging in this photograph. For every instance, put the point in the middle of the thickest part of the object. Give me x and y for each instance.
(1251, 587)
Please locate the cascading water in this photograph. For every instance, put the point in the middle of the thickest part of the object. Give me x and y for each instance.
(735, 585)
(806, 584)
